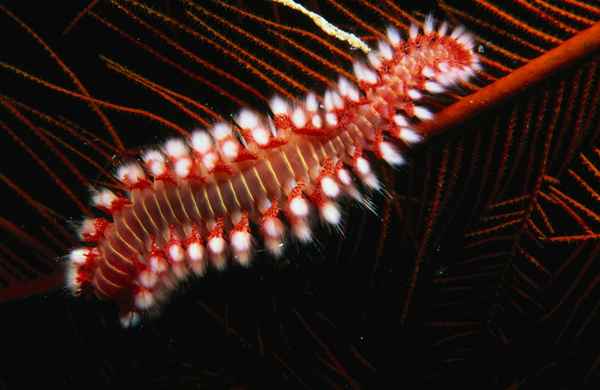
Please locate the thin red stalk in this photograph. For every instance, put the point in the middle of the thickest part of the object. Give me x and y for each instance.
(429, 225)
(593, 257)
(26, 238)
(71, 75)
(96, 145)
(27, 288)
(59, 182)
(47, 213)
(112, 106)
(40, 134)
(79, 16)
(178, 66)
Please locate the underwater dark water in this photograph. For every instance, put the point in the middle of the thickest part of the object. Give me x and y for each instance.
(326, 315)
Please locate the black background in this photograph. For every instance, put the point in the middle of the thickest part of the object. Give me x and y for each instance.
(245, 328)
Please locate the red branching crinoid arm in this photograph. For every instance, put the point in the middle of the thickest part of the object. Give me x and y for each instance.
(194, 201)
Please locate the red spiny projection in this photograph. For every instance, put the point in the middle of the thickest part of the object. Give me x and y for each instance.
(195, 201)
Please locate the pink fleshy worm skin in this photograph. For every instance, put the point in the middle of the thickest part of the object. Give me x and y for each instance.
(192, 203)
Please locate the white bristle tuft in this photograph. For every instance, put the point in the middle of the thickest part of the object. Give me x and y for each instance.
(338, 102)
(130, 319)
(183, 167)
(152, 155)
(400, 120)
(201, 141)
(236, 216)
(331, 213)
(362, 166)
(79, 255)
(87, 228)
(371, 181)
(261, 136)
(328, 101)
(299, 206)
(457, 32)
(264, 204)
(393, 36)
(429, 24)
(195, 251)
(385, 50)
(157, 264)
(364, 73)
(230, 149)
(467, 41)
(358, 71)
(130, 173)
(302, 231)
(216, 245)
(374, 59)
(433, 87)
(272, 227)
(143, 299)
(344, 177)
(311, 103)
(221, 131)
(353, 94)
(157, 168)
(176, 252)
(414, 94)
(147, 278)
(348, 90)
(428, 72)
(274, 246)
(343, 85)
(467, 73)
(299, 118)
(410, 136)
(103, 198)
(370, 76)
(316, 121)
(240, 241)
(180, 271)
(445, 79)
(390, 154)
(72, 278)
(176, 148)
(279, 106)
(330, 187)
(247, 119)
(422, 113)
(331, 119)
(243, 258)
(155, 162)
(210, 160)
(198, 268)
(413, 31)
(443, 30)
(443, 67)
(288, 187)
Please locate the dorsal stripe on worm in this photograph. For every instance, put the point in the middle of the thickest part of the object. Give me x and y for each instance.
(195, 200)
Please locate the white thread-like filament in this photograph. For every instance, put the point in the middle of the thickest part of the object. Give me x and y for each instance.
(327, 27)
